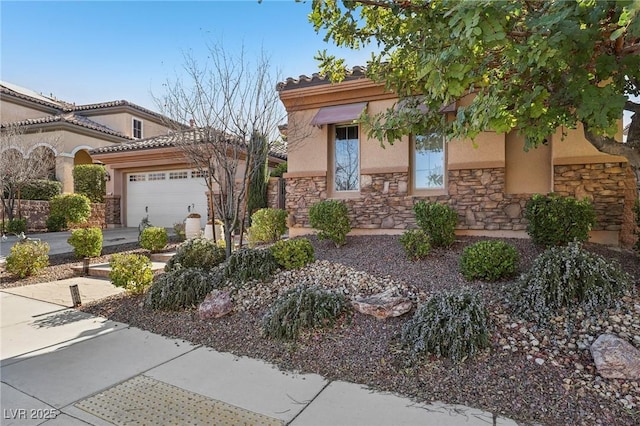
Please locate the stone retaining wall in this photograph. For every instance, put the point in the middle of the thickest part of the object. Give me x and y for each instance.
(37, 212)
(478, 195)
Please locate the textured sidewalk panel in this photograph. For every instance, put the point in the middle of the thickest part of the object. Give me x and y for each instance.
(146, 401)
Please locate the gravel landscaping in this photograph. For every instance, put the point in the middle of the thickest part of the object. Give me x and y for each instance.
(529, 374)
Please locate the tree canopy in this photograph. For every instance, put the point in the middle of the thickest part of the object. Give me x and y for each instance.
(533, 65)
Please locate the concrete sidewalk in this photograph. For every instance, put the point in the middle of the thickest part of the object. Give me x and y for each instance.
(60, 366)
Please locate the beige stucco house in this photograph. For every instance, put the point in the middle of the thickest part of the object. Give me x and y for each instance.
(70, 131)
(153, 178)
(488, 181)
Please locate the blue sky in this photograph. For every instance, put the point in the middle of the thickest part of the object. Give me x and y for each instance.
(95, 51)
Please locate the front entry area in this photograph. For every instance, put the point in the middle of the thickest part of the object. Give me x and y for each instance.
(167, 197)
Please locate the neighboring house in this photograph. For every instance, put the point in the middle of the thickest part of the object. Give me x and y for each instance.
(70, 131)
(488, 181)
(152, 178)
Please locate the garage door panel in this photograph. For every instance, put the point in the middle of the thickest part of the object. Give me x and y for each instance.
(167, 197)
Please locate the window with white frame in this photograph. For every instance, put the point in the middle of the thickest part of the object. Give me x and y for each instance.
(137, 178)
(178, 175)
(137, 128)
(157, 176)
(429, 161)
(346, 158)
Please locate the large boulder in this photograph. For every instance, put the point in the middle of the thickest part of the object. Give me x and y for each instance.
(615, 358)
(382, 305)
(215, 305)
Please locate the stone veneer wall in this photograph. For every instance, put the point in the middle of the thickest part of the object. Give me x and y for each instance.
(37, 212)
(476, 194)
(112, 210)
(604, 184)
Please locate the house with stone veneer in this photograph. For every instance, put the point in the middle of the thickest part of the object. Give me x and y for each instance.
(487, 181)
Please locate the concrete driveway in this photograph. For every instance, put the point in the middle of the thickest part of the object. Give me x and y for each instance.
(58, 240)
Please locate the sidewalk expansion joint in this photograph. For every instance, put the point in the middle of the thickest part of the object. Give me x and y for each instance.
(309, 402)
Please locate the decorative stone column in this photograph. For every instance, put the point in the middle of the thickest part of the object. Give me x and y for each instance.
(112, 211)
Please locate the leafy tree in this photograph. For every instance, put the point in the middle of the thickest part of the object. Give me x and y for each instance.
(533, 66)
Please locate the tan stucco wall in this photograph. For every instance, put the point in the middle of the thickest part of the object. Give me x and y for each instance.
(123, 122)
(307, 145)
(10, 112)
(487, 150)
(527, 172)
(574, 147)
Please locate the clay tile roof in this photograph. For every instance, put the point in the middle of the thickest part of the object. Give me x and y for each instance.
(167, 141)
(29, 95)
(70, 118)
(316, 79)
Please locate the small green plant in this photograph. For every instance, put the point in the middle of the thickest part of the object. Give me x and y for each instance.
(178, 229)
(56, 223)
(267, 225)
(438, 221)
(555, 220)
(90, 180)
(293, 254)
(86, 242)
(75, 208)
(279, 170)
(28, 258)
(41, 189)
(416, 244)
(489, 261)
(16, 226)
(569, 277)
(303, 308)
(248, 264)
(154, 238)
(131, 272)
(197, 253)
(331, 219)
(452, 324)
(182, 288)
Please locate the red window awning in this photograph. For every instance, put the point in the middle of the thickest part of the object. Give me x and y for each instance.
(338, 114)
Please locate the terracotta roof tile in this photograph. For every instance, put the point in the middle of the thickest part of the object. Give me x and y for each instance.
(70, 118)
(167, 141)
(316, 79)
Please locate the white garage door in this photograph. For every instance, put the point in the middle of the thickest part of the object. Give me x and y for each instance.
(167, 197)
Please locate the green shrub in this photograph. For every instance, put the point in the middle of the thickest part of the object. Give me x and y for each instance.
(279, 170)
(182, 288)
(568, 277)
(131, 271)
(90, 180)
(86, 242)
(75, 208)
(303, 307)
(27, 258)
(555, 220)
(197, 253)
(489, 261)
(416, 244)
(267, 225)
(178, 229)
(247, 264)
(293, 254)
(451, 324)
(331, 219)
(154, 238)
(56, 223)
(438, 221)
(41, 189)
(16, 226)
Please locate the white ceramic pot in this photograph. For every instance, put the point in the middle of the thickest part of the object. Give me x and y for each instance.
(208, 231)
(192, 227)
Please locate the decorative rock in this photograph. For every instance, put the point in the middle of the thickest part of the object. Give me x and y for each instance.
(615, 358)
(382, 305)
(215, 305)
